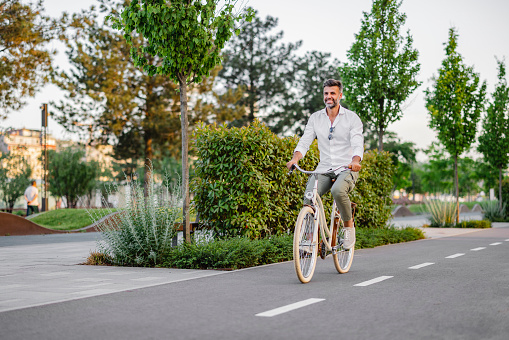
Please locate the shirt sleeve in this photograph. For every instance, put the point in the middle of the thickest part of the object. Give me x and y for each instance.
(307, 138)
(357, 138)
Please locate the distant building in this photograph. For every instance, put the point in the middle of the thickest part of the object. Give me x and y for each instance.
(30, 140)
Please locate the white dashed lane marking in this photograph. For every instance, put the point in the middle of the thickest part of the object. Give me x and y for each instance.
(425, 264)
(375, 280)
(507, 240)
(477, 249)
(495, 244)
(454, 256)
(288, 308)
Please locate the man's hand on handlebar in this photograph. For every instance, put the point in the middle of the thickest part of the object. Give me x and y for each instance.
(355, 165)
(291, 164)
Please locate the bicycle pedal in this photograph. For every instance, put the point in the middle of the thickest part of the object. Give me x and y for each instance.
(322, 250)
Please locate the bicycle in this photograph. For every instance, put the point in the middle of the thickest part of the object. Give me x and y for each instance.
(306, 243)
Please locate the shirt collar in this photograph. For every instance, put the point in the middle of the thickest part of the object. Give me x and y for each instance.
(341, 110)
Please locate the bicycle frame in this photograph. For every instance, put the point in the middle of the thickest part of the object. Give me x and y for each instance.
(319, 216)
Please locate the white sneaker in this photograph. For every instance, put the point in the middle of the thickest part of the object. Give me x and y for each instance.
(349, 240)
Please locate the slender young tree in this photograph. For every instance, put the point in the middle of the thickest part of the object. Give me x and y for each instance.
(187, 37)
(382, 68)
(494, 140)
(25, 61)
(455, 103)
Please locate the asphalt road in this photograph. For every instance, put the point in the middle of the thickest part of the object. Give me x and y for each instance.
(447, 288)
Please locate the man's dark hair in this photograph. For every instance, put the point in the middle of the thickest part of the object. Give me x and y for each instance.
(333, 82)
(33, 182)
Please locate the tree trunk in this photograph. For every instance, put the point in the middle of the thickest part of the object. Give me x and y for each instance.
(500, 188)
(149, 153)
(148, 164)
(185, 148)
(381, 128)
(456, 188)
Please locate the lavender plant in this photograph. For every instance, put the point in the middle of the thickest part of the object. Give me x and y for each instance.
(141, 231)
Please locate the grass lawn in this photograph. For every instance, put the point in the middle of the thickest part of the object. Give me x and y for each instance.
(69, 219)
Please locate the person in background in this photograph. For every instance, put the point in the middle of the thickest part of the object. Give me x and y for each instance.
(31, 196)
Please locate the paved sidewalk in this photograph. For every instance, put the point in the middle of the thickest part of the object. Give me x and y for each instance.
(39, 274)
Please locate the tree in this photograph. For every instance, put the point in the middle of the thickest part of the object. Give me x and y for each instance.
(305, 95)
(455, 103)
(70, 175)
(109, 97)
(186, 38)
(403, 157)
(382, 68)
(25, 62)
(438, 173)
(261, 65)
(494, 140)
(15, 173)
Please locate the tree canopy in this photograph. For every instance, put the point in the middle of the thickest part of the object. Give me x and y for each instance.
(15, 173)
(382, 67)
(25, 61)
(70, 175)
(494, 139)
(258, 62)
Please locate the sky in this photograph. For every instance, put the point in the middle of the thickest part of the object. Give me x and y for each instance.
(331, 25)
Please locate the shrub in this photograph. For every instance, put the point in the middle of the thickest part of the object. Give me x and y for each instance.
(142, 231)
(443, 214)
(373, 237)
(481, 224)
(98, 259)
(242, 187)
(492, 210)
(233, 253)
(373, 190)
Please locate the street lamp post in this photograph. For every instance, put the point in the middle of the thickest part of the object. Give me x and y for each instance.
(44, 148)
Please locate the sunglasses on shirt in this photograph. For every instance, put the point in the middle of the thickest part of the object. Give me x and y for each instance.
(331, 130)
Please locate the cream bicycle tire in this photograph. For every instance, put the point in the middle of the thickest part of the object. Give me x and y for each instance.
(342, 258)
(304, 249)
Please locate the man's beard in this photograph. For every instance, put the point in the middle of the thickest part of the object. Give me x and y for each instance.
(333, 105)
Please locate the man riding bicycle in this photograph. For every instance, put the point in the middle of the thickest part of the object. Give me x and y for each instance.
(341, 143)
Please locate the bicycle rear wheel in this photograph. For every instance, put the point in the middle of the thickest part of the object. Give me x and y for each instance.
(342, 258)
(305, 245)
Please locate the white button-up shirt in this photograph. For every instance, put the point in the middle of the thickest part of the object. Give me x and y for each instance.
(347, 140)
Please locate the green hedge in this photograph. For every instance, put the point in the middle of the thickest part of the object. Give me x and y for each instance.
(242, 252)
(242, 187)
(474, 224)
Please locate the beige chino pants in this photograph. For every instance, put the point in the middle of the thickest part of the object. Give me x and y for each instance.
(344, 184)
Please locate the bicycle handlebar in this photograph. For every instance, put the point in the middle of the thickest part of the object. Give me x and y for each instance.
(295, 166)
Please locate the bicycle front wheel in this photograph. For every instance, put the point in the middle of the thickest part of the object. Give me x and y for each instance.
(305, 245)
(342, 258)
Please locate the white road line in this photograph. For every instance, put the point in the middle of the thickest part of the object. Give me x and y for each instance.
(287, 308)
(425, 264)
(477, 249)
(495, 244)
(507, 240)
(454, 256)
(370, 282)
